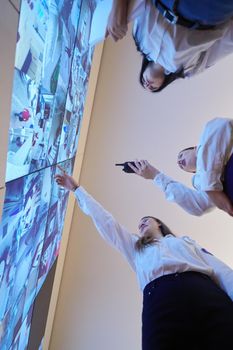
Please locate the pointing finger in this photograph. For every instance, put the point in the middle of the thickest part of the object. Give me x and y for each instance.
(60, 168)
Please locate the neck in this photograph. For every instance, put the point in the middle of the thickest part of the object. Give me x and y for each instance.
(156, 67)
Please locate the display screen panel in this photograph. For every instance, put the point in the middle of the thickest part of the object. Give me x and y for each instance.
(51, 74)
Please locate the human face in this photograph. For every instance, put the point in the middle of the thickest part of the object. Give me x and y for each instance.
(149, 227)
(187, 160)
(153, 76)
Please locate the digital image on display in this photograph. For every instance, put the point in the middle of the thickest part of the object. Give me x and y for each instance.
(55, 221)
(80, 71)
(75, 104)
(44, 54)
(22, 337)
(52, 67)
(31, 229)
(21, 131)
(22, 235)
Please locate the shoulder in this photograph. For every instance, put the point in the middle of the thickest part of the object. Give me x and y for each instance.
(180, 241)
(135, 237)
(187, 239)
(214, 130)
(218, 122)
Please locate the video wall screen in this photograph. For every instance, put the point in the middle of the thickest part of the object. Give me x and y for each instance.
(52, 67)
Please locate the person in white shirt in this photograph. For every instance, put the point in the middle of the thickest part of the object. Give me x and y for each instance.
(195, 14)
(187, 292)
(212, 163)
(169, 51)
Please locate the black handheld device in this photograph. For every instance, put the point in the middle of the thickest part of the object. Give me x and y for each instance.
(126, 167)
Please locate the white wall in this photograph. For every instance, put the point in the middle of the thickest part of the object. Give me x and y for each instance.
(99, 304)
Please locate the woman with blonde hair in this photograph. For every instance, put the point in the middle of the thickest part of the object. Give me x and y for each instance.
(187, 292)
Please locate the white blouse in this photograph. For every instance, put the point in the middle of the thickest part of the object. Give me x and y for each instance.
(168, 255)
(174, 46)
(193, 201)
(213, 151)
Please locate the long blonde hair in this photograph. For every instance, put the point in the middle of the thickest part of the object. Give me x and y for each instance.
(144, 242)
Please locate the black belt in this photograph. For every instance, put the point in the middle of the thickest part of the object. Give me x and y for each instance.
(175, 18)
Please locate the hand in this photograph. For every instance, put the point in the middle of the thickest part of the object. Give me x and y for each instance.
(66, 180)
(117, 22)
(220, 199)
(145, 169)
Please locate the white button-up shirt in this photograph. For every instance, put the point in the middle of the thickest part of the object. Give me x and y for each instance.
(168, 255)
(192, 201)
(213, 152)
(174, 46)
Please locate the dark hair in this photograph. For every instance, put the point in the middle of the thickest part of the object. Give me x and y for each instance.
(169, 78)
(187, 149)
(144, 242)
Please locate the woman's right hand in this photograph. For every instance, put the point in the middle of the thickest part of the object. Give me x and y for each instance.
(144, 168)
(117, 22)
(66, 180)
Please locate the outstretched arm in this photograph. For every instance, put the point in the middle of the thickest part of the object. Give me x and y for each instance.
(110, 230)
(192, 201)
(117, 22)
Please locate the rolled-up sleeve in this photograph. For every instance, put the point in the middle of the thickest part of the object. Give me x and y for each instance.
(213, 152)
(192, 201)
(110, 230)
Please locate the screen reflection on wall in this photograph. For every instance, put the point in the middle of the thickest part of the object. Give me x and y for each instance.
(52, 67)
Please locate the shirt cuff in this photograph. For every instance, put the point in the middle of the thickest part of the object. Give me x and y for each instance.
(79, 192)
(210, 181)
(162, 180)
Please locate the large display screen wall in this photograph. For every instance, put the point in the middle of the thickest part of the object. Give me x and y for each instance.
(52, 66)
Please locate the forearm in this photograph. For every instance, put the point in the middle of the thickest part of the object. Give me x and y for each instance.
(194, 202)
(120, 11)
(110, 230)
(221, 201)
(120, 4)
(118, 18)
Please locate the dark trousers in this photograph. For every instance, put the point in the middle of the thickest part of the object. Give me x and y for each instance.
(210, 12)
(228, 179)
(186, 311)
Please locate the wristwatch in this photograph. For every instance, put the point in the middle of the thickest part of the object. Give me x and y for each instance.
(74, 188)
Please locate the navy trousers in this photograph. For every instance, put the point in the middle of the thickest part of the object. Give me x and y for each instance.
(228, 179)
(186, 311)
(210, 12)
